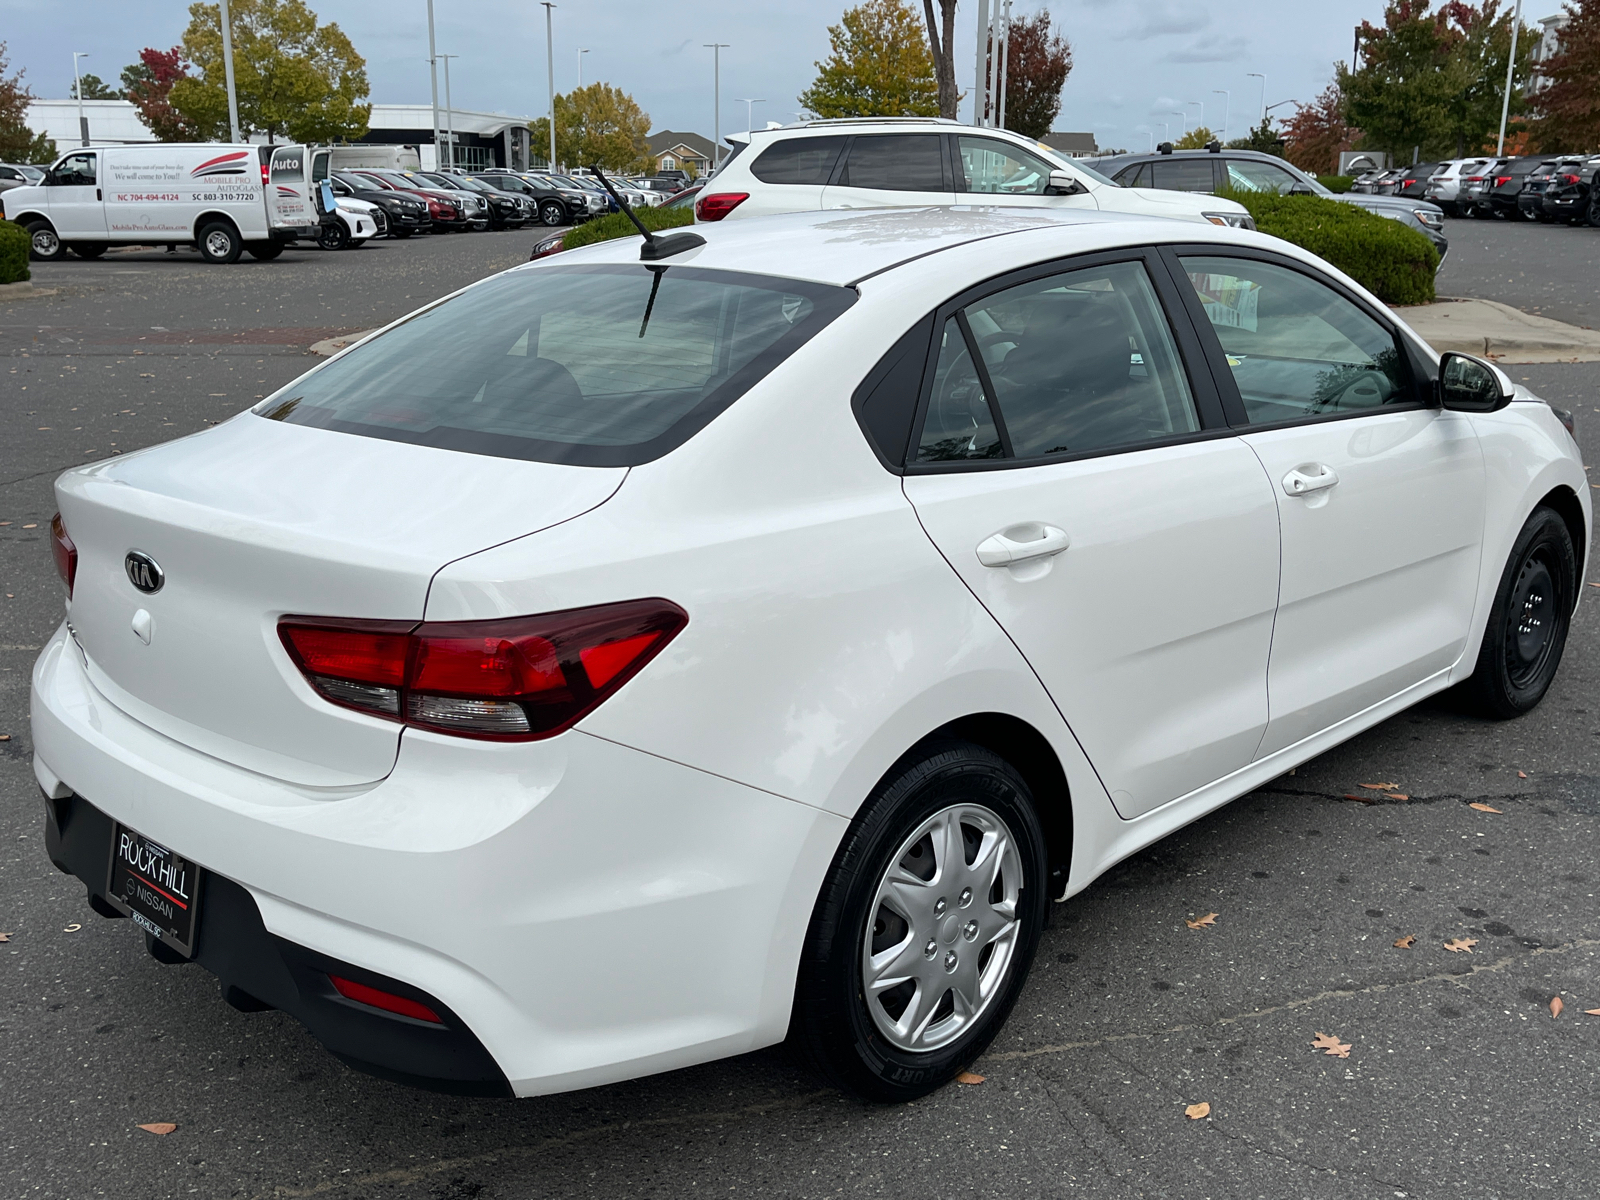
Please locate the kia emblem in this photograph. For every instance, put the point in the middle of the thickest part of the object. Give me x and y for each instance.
(143, 571)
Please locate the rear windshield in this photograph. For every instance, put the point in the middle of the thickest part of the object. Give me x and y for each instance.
(602, 365)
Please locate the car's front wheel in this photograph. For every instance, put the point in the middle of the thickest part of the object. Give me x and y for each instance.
(926, 926)
(551, 213)
(1528, 623)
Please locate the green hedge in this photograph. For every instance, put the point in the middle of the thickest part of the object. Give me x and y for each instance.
(14, 243)
(1392, 261)
(615, 225)
(1336, 183)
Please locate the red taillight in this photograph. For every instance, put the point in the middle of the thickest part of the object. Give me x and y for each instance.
(265, 175)
(1569, 179)
(64, 552)
(1501, 180)
(517, 679)
(718, 205)
(388, 1001)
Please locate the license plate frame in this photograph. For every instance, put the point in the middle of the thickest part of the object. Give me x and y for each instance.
(158, 888)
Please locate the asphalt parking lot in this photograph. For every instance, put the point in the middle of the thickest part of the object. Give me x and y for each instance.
(1458, 1082)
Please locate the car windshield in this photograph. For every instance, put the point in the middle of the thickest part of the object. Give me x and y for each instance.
(1077, 164)
(595, 365)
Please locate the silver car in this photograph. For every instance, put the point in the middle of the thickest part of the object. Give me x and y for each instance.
(1445, 184)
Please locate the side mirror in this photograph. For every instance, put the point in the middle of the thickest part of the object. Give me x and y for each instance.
(1468, 384)
(1299, 189)
(1064, 183)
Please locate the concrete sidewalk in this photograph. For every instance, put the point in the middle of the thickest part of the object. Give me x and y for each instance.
(1500, 332)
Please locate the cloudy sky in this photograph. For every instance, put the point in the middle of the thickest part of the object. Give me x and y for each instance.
(1137, 62)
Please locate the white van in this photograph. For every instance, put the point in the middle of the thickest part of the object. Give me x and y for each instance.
(224, 199)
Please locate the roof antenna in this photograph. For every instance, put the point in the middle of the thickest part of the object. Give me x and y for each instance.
(654, 247)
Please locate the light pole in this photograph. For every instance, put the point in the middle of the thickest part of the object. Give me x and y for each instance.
(1227, 106)
(449, 116)
(433, 83)
(749, 108)
(83, 121)
(1166, 130)
(1263, 78)
(1202, 106)
(1505, 103)
(1005, 63)
(550, 63)
(227, 73)
(980, 74)
(716, 49)
(1151, 134)
(1183, 117)
(581, 53)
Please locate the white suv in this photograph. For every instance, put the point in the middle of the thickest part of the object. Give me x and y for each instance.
(884, 162)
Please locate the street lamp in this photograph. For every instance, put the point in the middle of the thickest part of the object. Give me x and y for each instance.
(1185, 118)
(1263, 78)
(550, 66)
(581, 53)
(1227, 106)
(83, 121)
(449, 116)
(433, 84)
(227, 72)
(716, 49)
(1202, 106)
(1505, 103)
(1166, 130)
(749, 107)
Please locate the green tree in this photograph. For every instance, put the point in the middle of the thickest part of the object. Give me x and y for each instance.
(879, 66)
(94, 88)
(1432, 82)
(1263, 137)
(294, 78)
(148, 84)
(1197, 138)
(598, 124)
(18, 143)
(1568, 106)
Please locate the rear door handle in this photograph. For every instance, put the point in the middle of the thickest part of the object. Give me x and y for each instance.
(1022, 543)
(1309, 477)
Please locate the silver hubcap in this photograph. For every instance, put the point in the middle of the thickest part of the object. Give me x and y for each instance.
(943, 928)
(45, 242)
(218, 243)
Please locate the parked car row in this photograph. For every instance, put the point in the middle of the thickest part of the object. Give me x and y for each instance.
(1528, 187)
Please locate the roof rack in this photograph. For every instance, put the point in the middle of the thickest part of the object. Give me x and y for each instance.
(879, 121)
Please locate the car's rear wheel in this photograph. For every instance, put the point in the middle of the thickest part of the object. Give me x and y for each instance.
(926, 926)
(43, 244)
(1528, 623)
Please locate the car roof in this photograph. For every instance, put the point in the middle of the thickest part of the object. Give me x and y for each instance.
(842, 247)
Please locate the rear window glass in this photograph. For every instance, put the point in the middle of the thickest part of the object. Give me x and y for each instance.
(603, 365)
(798, 160)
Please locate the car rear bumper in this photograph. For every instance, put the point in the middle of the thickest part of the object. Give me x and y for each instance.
(581, 911)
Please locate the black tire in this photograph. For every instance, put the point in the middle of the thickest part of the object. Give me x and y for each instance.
(264, 251)
(1527, 630)
(43, 244)
(551, 213)
(836, 1025)
(332, 235)
(219, 242)
(88, 249)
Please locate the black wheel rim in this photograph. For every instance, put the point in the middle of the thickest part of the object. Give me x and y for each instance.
(1531, 619)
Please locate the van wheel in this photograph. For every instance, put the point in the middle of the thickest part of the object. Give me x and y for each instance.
(219, 243)
(88, 249)
(264, 251)
(43, 244)
(333, 236)
(925, 928)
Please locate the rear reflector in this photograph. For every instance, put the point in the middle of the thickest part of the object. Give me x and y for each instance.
(64, 552)
(388, 1001)
(718, 205)
(516, 679)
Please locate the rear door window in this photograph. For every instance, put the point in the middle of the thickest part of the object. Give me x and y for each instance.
(807, 160)
(1183, 175)
(1247, 175)
(898, 162)
(590, 365)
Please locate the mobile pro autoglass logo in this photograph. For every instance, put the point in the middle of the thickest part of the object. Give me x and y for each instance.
(223, 166)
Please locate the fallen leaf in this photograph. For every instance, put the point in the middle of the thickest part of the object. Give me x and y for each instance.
(969, 1077)
(1456, 945)
(5, 737)
(1195, 1111)
(1398, 796)
(159, 1128)
(73, 928)
(1380, 787)
(1556, 1006)
(1593, 1012)
(1522, 774)
(1361, 799)
(1406, 942)
(1595, 485)
(1205, 922)
(1482, 807)
(1330, 1044)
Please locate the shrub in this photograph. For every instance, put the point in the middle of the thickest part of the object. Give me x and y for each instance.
(14, 243)
(1392, 261)
(1336, 183)
(615, 225)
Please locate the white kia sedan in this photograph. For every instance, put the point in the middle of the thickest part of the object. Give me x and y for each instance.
(647, 655)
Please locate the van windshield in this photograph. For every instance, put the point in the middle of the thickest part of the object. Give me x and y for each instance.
(601, 365)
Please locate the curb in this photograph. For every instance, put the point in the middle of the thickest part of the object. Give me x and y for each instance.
(1498, 331)
(330, 346)
(23, 289)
